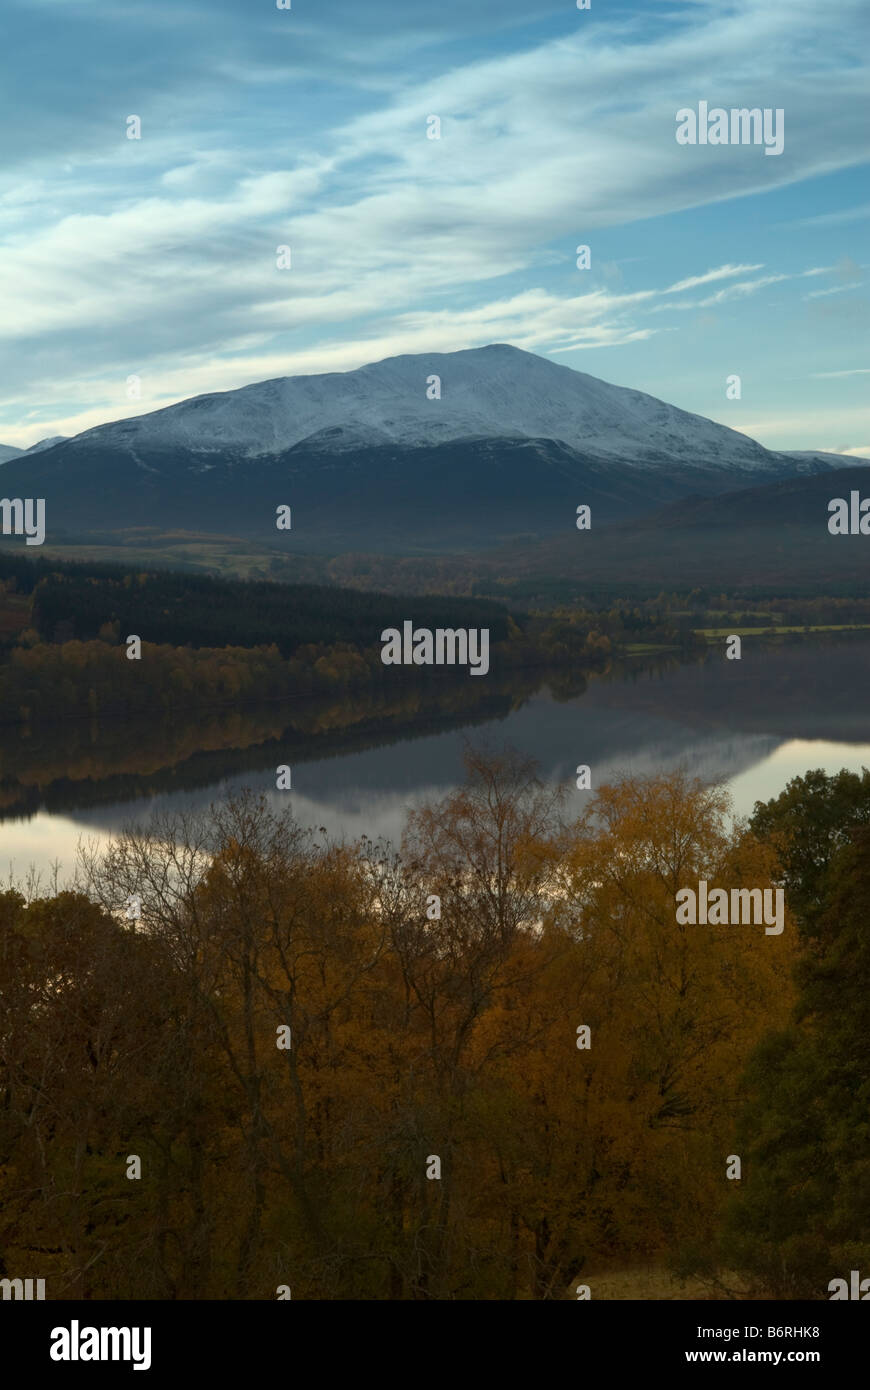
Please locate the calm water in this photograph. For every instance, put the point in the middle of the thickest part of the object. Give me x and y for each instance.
(754, 723)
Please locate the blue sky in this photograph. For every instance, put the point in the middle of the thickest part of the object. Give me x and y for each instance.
(307, 127)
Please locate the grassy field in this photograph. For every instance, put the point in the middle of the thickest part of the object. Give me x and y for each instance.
(620, 561)
(214, 555)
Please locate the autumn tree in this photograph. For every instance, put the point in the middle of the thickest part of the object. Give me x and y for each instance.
(803, 1216)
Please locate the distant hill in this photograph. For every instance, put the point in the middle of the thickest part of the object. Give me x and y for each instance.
(47, 443)
(9, 451)
(787, 501)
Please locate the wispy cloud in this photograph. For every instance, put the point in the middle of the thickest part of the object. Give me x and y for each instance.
(837, 218)
(158, 256)
(850, 371)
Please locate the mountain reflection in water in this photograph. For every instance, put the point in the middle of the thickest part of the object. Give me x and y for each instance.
(360, 762)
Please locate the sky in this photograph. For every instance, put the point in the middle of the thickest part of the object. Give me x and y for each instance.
(308, 128)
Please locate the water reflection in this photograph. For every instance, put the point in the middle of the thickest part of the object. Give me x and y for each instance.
(359, 765)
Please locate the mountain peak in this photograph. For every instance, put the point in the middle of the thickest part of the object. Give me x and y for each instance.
(47, 443)
(10, 451)
(419, 400)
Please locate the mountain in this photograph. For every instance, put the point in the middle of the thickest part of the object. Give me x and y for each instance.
(785, 502)
(46, 443)
(486, 393)
(9, 451)
(366, 460)
(828, 459)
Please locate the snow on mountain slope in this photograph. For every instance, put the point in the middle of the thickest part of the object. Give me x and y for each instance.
(826, 458)
(47, 443)
(492, 392)
(9, 451)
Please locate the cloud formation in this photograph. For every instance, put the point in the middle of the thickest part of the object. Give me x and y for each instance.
(158, 256)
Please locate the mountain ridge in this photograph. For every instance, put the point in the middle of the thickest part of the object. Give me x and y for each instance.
(375, 459)
(11, 451)
(498, 391)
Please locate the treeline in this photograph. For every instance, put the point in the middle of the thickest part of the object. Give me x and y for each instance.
(481, 1067)
(199, 611)
(702, 605)
(77, 680)
(207, 642)
(627, 563)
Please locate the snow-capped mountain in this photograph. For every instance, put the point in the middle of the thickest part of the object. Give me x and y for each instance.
(47, 443)
(485, 393)
(9, 451)
(467, 449)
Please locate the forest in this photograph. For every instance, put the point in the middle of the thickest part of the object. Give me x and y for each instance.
(208, 642)
(237, 1057)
